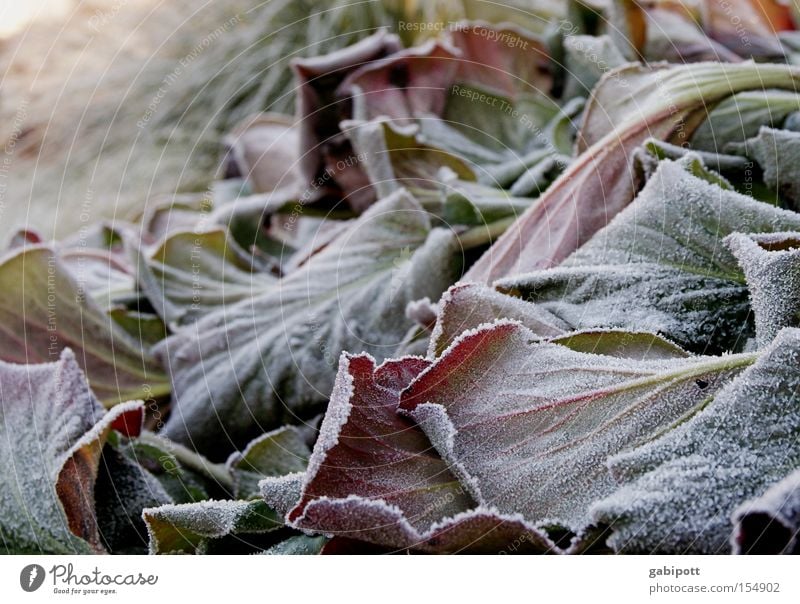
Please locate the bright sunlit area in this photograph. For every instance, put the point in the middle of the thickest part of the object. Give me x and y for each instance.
(16, 14)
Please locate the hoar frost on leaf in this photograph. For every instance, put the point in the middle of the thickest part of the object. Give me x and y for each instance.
(52, 433)
(601, 181)
(527, 425)
(263, 362)
(196, 527)
(43, 310)
(770, 524)
(661, 266)
(680, 491)
(374, 477)
(771, 265)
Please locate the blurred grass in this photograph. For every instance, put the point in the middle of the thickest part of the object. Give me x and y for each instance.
(128, 99)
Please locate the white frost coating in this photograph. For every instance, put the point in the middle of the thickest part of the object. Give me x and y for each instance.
(660, 266)
(422, 312)
(771, 265)
(47, 413)
(681, 490)
(282, 493)
(373, 452)
(336, 416)
(771, 522)
(433, 419)
(252, 364)
(466, 306)
(276, 453)
(189, 526)
(532, 423)
(114, 364)
(479, 530)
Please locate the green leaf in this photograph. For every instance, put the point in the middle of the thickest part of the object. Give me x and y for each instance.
(299, 545)
(680, 491)
(282, 451)
(778, 154)
(190, 274)
(742, 116)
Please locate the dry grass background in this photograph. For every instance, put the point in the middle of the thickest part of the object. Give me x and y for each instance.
(128, 99)
(125, 100)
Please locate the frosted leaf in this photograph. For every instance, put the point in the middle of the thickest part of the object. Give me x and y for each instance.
(299, 545)
(374, 477)
(741, 117)
(527, 425)
(100, 274)
(602, 181)
(261, 363)
(477, 531)
(467, 305)
(583, 56)
(422, 312)
(396, 158)
(771, 265)
(319, 106)
(660, 266)
(680, 491)
(770, 524)
(52, 433)
(283, 492)
(183, 481)
(641, 345)
(366, 450)
(189, 274)
(43, 311)
(264, 148)
(196, 528)
(778, 154)
(282, 451)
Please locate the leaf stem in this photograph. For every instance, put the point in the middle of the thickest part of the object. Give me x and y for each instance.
(485, 233)
(193, 461)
